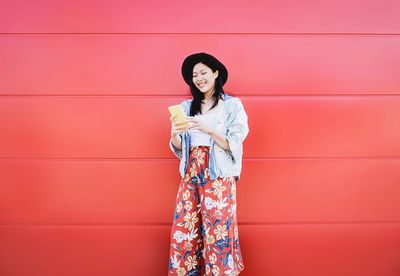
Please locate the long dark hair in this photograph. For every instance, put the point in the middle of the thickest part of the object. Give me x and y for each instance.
(198, 96)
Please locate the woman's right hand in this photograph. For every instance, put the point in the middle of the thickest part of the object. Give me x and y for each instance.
(176, 127)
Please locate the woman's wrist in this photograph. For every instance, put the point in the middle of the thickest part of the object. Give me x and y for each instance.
(177, 141)
(210, 131)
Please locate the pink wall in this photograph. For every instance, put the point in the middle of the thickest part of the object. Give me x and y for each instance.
(88, 181)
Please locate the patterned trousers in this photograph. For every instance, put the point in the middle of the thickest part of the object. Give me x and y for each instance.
(204, 234)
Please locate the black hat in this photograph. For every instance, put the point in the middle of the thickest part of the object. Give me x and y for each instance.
(192, 60)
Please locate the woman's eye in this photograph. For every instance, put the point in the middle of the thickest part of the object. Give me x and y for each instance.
(201, 73)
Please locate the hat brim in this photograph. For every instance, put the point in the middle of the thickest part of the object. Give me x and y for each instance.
(191, 60)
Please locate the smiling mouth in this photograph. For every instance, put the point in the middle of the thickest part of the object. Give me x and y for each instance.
(202, 84)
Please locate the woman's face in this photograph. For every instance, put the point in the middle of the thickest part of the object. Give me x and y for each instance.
(204, 77)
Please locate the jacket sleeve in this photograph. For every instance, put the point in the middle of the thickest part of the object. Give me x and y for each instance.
(237, 130)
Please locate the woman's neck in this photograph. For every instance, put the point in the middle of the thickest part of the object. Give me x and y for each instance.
(208, 95)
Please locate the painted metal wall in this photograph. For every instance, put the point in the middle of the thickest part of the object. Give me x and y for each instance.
(88, 181)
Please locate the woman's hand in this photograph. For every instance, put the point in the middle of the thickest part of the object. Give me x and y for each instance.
(197, 123)
(176, 127)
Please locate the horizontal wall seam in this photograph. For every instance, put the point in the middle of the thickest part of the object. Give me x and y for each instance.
(283, 95)
(170, 224)
(177, 160)
(199, 33)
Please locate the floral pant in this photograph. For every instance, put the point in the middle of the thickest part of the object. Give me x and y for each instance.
(204, 234)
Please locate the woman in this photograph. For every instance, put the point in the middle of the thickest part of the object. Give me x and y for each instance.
(204, 234)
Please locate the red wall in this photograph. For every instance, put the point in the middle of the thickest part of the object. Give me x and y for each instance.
(88, 181)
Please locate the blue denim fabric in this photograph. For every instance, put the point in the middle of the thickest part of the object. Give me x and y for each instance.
(233, 123)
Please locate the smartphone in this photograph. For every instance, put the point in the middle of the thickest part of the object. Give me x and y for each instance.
(180, 115)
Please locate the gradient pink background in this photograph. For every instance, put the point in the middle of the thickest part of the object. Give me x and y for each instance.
(87, 179)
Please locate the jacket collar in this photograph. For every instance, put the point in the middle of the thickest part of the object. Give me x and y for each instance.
(227, 96)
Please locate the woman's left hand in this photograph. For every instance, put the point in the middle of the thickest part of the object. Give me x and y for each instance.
(197, 123)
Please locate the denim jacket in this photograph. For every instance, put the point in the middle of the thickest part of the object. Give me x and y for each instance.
(232, 122)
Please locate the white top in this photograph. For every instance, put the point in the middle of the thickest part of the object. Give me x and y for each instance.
(198, 137)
